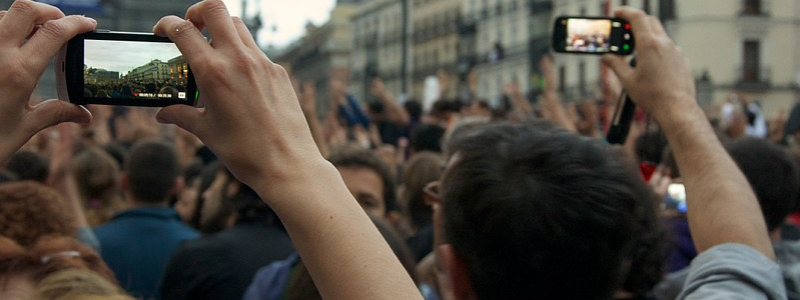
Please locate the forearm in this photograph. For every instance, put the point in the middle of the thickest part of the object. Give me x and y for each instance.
(722, 207)
(556, 111)
(316, 132)
(336, 239)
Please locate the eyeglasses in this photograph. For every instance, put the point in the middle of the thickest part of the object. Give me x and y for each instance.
(431, 193)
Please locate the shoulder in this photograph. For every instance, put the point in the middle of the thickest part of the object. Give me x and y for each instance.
(733, 271)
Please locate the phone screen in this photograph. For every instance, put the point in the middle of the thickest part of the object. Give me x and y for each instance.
(587, 35)
(592, 35)
(676, 197)
(131, 70)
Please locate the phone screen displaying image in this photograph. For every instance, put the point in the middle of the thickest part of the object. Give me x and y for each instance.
(588, 35)
(134, 70)
(592, 35)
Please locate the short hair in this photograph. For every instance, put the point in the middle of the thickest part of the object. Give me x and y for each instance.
(531, 209)
(152, 168)
(426, 137)
(29, 165)
(97, 178)
(771, 173)
(422, 169)
(350, 157)
(30, 210)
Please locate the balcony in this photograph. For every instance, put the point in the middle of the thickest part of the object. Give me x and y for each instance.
(753, 79)
(754, 9)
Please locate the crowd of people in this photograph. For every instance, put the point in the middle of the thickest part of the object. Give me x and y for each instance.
(258, 195)
(131, 89)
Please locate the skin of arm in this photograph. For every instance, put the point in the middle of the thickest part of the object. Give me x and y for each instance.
(31, 34)
(722, 206)
(551, 101)
(266, 143)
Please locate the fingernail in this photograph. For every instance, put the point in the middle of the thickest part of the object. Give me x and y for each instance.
(91, 19)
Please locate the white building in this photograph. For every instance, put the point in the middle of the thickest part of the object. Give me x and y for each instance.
(749, 46)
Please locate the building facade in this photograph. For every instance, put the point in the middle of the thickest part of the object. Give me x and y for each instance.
(509, 38)
(379, 34)
(750, 46)
(435, 44)
(322, 54)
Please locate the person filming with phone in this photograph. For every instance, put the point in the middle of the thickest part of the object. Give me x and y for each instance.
(491, 245)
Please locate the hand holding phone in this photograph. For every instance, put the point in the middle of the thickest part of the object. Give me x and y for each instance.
(592, 35)
(123, 68)
(30, 35)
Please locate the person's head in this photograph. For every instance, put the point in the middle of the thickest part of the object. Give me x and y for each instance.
(426, 137)
(30, 210)
(78, 284)
(529, 210)
(422, 169)
(152, 172)
(96, 175)
(7, 176)
(186, 202)
(29, 165)
(368, 178)
(771, 173)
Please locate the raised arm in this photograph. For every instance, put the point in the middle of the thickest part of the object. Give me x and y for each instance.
(252, 120)
(394, 112)
(722, 207)
(31, 34)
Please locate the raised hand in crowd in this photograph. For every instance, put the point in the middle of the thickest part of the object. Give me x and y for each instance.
(662, 84)
(253, 121)
(31, 34)
(551, 106)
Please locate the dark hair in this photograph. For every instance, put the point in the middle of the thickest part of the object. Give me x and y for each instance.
(426, 137)
(350, 157)
(414, 109)
(531, 210)
(152, 168)
(771, 173)
(649, 146)
(29, 165)
(7, 176)
(422, 169)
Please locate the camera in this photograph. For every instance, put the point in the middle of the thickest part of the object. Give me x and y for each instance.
(124, 68)
(592, 35)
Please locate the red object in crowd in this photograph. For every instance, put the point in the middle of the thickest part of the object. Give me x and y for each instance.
(647, 170)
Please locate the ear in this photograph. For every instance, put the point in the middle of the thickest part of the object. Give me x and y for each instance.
(123, 181)
(178, 186)
(457, 273)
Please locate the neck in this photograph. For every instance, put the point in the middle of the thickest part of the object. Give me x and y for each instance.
(133, 202)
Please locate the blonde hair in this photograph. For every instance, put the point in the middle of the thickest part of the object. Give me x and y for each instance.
(78, 284)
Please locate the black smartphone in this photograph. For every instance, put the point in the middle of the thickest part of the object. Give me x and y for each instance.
(592, 35)
(124, 68)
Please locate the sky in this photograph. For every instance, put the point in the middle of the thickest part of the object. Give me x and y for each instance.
(287, 17)
(123, 56)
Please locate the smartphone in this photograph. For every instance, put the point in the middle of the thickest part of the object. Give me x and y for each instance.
(676, 197)
(124, 68)
(592, 35)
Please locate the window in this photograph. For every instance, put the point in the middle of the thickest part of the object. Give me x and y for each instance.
(751, 65)
(752, 7)
(624, 2)
(667, 9)
(646, 6)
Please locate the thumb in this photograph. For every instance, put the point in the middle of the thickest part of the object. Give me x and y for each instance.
(184, 116)
(53, 112)
(620, 67)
